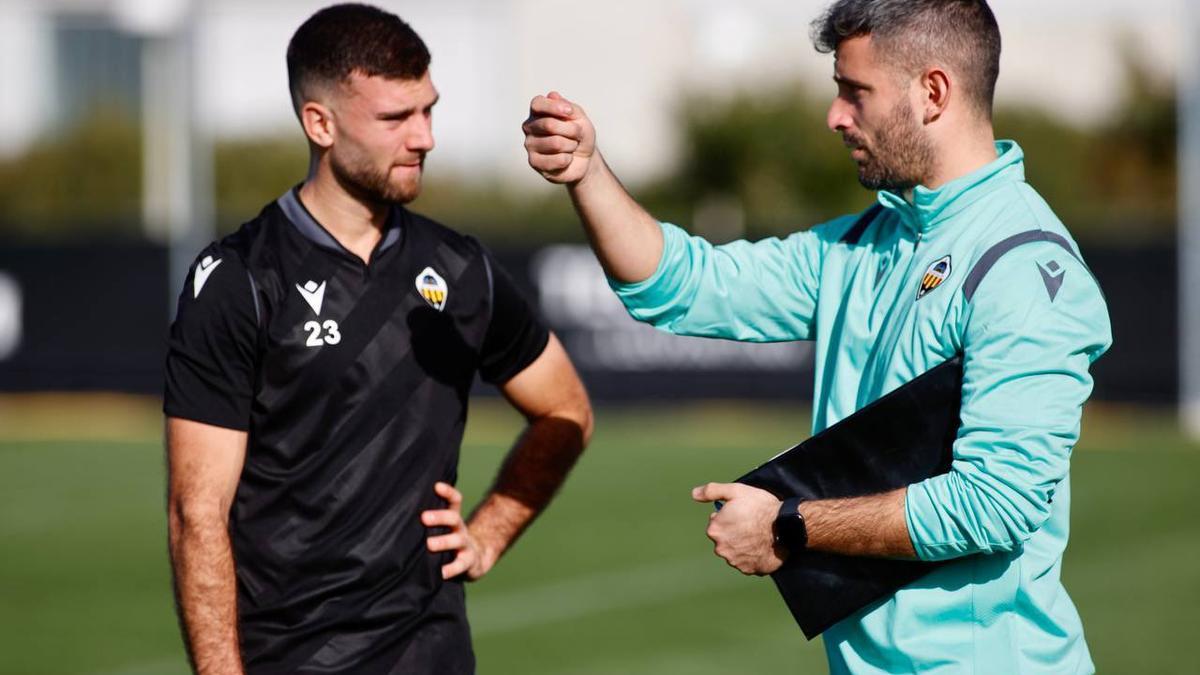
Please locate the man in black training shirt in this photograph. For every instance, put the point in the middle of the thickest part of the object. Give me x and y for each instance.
(317, 385)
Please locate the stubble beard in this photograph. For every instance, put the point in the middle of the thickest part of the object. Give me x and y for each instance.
(901, 156)
(358, 177)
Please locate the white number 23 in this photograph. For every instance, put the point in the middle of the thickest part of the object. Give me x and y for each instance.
(316, 339)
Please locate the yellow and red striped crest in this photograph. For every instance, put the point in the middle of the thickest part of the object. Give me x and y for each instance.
(432, 288)
(934, 275)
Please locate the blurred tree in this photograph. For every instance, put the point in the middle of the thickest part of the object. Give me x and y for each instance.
(86, 181)
(248, 173)
(753, 163)
(769, 155)
(1134, 156)
(765, 152)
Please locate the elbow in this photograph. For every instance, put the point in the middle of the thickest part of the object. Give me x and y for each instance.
(189, 517)
(1008, 516)
(961, 514)
(580, 415)
(587, 423)
(576, 408)
(570, 422)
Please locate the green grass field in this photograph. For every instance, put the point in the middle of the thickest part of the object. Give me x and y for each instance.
(617, 578)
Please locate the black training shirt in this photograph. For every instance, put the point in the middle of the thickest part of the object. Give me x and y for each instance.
(352, 380)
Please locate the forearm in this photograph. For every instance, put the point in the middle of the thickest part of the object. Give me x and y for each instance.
(627, 240)
(205, 593)
(871, 526)
(532, 473)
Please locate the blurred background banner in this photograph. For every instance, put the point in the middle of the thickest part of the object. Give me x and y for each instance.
(92, 317)
(132, 132)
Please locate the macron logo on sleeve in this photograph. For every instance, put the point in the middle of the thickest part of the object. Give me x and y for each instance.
(203, 271)
(1052, 276)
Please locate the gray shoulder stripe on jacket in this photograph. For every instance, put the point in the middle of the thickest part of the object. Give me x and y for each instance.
(993, 255)
(254, 294)
(860, 226)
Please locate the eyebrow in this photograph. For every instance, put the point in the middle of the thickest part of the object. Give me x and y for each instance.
(842, 79)
(401, 114)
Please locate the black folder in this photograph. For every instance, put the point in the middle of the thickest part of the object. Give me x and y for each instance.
(901, 438)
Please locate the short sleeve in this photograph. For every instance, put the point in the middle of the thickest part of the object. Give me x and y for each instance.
(211, 351)
(515, 336)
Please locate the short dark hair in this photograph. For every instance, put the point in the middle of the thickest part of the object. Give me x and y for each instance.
(351, 38)
(962, 34)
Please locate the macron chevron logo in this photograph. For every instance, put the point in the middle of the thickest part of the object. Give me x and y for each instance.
(313, 294)
(1052, 275)
(203, 271)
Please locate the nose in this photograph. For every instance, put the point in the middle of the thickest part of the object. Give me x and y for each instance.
(421, 138)
(838, 117)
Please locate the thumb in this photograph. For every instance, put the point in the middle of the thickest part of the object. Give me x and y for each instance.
(711, 492)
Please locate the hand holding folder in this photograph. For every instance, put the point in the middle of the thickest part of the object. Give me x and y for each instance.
(902, 438)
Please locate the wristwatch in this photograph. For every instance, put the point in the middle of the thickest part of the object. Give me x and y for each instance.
(790, 530)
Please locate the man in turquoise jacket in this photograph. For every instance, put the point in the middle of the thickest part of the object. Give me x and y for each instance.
(960, 255)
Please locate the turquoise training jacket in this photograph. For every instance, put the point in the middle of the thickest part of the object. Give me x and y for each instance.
(980, 266)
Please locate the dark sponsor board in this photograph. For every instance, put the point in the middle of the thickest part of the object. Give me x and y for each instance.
(94, 317)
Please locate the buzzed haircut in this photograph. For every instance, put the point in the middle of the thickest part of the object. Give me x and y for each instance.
(961, 35)
(352, 38)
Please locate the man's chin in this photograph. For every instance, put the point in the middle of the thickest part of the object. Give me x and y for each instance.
(867, 179)
(406, 193)
(400, 192)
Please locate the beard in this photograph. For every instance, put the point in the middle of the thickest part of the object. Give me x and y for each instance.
(900, 157)
(360, 178)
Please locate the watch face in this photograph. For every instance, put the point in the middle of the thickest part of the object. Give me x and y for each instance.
(790, 526)
(790, 530)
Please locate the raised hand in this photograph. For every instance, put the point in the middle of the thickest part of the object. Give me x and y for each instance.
(559, 138)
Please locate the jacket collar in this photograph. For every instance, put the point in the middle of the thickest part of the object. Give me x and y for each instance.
(926, 209)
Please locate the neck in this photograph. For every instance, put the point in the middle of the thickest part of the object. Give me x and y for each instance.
(355, 223)
(962, 154)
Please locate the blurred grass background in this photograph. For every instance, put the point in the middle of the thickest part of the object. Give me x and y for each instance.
(617, 577)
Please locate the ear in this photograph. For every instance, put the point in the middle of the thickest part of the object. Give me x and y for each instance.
(936, 90)
(317, 120)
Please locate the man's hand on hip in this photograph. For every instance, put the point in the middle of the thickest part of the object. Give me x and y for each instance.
(470, 558)
(743, 530)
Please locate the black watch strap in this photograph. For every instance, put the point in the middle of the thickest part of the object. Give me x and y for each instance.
(790, 529)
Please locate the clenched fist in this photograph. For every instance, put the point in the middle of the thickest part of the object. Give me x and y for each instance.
(742, 531)
(559, 138)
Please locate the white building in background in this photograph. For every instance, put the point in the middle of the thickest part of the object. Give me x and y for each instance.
(625, 61)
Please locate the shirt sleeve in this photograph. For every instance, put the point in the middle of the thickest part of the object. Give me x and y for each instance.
(211, 350)
(515, 336)
(765, 291)
(1029, 337)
